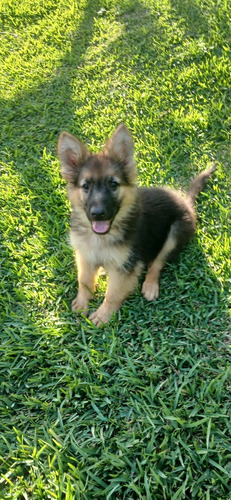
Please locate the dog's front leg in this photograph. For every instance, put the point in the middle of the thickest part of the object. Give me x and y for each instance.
(86, 280)
(120, 285)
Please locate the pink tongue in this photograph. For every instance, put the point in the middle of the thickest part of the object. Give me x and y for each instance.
(100, 226)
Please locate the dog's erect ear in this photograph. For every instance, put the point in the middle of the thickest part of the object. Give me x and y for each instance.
(72, 154)
(120, 147)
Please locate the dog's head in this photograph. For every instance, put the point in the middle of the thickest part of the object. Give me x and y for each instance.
(104, 184)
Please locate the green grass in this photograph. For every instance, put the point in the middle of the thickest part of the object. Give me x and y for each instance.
(139, 409)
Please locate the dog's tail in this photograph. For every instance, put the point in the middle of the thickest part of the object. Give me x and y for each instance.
(197, 184)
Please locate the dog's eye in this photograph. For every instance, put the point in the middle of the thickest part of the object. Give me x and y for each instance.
(114, 184)
(85, 187)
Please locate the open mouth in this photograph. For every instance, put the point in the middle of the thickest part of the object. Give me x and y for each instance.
(101, 226)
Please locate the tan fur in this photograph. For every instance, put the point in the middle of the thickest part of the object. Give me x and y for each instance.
(86, 277)
(120, 286)
(98, 251)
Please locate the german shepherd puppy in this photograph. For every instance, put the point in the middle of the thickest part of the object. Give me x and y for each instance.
(119, 226)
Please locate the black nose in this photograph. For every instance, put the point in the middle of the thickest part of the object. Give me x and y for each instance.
(97, 213)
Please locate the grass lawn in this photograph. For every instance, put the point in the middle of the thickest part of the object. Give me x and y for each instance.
(138, 409)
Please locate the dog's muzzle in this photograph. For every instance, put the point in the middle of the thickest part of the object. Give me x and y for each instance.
(98, 222)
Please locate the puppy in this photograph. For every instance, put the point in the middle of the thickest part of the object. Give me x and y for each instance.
(118, 225)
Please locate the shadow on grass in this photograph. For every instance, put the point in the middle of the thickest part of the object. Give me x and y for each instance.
(192, 14)
(35, 118)
(197, 18)
(192, 303)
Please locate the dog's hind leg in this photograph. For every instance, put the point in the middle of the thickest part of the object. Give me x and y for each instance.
(86, 279)
(150, 288)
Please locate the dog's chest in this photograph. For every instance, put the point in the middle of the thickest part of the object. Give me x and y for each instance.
(100, 250)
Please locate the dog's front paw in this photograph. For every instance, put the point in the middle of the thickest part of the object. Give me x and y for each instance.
(100, 316)
(80, 304)
(150, 290)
